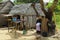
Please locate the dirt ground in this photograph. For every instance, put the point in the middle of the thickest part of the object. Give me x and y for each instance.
(31, 35)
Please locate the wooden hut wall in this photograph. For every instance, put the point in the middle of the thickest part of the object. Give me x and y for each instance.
(21, 22)
(34, 21)
(26, 21)
(2, 20)
(30, 21)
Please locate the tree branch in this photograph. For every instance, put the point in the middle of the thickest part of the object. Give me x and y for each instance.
(42, 6)
(33, 5)
(53, 6)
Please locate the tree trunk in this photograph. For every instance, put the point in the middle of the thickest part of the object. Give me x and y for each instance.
(44, 25)
(48, 15)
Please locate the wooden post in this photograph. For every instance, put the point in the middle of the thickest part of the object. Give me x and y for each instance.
(8, 24)
(21, 26)
(23, 20)
(26, 22)
(12, 24)
(8, 19)
(15, 29)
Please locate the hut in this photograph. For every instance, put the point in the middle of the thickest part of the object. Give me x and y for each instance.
(5, 8)
(28, 12)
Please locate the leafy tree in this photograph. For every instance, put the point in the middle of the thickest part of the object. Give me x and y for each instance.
(58, 6)
(57, 9)
(26, 1)
(0, 0)
(49, 12)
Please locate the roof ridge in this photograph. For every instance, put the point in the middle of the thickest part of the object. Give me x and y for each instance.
(5, 4)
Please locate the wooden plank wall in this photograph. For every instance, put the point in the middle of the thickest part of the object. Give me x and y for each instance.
(30, 21)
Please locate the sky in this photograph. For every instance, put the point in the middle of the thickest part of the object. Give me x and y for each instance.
(46, 0)
(12, 0)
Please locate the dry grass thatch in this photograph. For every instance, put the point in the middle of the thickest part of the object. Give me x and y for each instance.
(5, 7)
(26, 9)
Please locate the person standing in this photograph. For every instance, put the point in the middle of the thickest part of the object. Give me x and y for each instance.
(38, 25)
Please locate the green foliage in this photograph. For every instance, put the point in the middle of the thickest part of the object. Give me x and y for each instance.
(57, 9)
(57, 18)
(18, 2)
(49, 4)
(58, 21)
(25, 1)
(0, 0)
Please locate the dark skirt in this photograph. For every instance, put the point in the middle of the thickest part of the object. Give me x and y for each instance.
(38, 32)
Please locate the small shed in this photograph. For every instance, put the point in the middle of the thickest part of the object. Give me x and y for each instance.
(28, 12)
(5, 8)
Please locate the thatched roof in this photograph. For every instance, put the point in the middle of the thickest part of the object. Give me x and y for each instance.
(5, 7)
(26, 9)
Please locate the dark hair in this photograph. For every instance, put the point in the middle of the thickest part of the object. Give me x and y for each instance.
(42, 16)
(38, 21)
(18, 17)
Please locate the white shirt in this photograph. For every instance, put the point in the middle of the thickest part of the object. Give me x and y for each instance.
(38, 26)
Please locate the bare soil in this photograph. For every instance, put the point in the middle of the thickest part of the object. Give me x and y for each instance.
(30, 35)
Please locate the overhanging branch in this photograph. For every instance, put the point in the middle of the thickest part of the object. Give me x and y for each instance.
(42, 6)
(33, 5)
(53, 6)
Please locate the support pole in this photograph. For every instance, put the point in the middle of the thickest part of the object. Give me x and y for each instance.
(24, 28)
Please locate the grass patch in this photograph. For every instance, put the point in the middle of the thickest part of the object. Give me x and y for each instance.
(58, 21)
